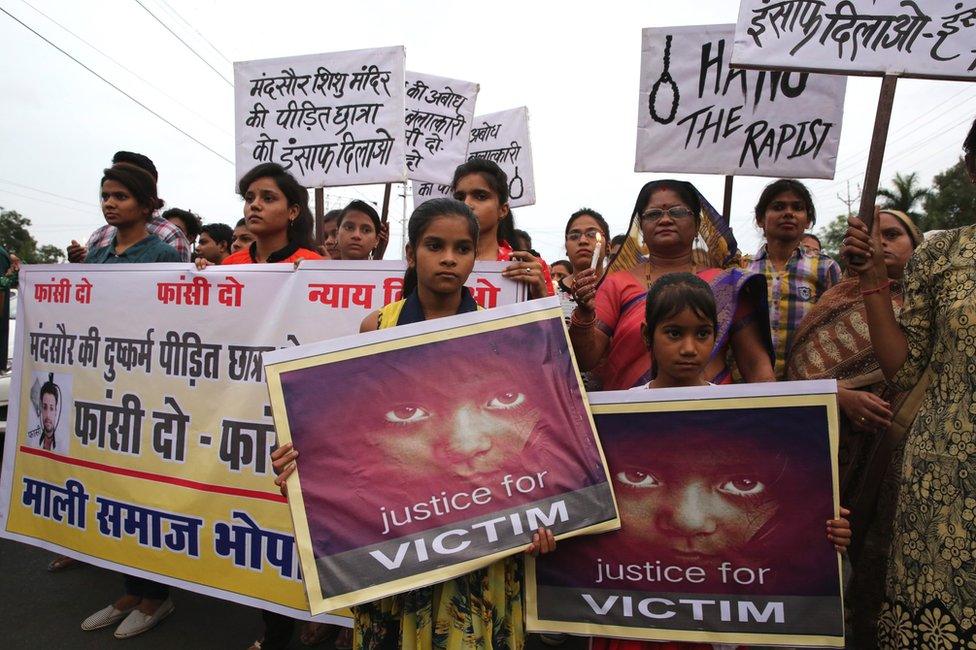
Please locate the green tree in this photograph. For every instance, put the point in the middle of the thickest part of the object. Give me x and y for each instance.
(832, 236)
(906, 194)
(16, 238)
(952, 202)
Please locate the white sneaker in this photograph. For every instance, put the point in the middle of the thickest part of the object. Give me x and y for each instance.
(103, 618)
(138, 622)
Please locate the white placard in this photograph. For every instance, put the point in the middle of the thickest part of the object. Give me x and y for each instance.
(502, 137)
(330, 119)
(934, 39)
(697, 115)
(439, 116)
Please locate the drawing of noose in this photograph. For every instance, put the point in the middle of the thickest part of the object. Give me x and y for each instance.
(664, 79)
(511, 186)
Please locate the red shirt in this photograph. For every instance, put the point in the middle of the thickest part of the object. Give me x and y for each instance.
(244, 256)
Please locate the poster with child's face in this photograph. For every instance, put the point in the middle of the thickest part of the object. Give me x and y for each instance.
(723, 495)
(430, 450)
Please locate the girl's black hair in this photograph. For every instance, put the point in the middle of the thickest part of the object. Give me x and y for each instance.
(192, 222)
(670, 295)
(331, 215)
(969, 146)
(498, 181)
(300, 230)
(776, 188)
(565, 263)
(421, 218)
(593, 214)
(138, 181)
(685, 191)
(365, 208)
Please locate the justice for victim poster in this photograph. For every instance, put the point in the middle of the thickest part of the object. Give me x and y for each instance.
(723, 495)
(434, 449)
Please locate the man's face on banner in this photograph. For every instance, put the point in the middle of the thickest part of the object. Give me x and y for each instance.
(472, 430)
(696, 500)
(49, 413)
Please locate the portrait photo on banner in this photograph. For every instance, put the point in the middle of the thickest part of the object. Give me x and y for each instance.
(432, 449)
(723, 494)
(49, 412)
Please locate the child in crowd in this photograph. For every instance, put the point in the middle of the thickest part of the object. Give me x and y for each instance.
(680, 324)
(443, 236)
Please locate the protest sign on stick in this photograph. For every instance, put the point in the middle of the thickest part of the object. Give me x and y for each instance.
(723, 492)
(503, 138)
(697, 115)
(438, 124)
(330, 119)
(930, 40)
(408, 476)
(157, 462)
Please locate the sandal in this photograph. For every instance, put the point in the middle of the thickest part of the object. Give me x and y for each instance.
(62, 562)
(313, 633)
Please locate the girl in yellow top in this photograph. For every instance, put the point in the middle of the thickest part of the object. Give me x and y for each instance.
(482, 609)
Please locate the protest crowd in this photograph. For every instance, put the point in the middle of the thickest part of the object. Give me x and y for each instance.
(657, 312)
(833, 504)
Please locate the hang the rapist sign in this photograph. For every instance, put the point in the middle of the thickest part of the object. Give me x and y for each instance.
(698, 115)
(140, 431)
(723, 494)
(433, 449)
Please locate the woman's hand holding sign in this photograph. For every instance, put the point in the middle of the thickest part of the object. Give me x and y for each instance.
(283, 463)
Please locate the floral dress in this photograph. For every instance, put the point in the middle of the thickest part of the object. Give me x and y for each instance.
(930, 595)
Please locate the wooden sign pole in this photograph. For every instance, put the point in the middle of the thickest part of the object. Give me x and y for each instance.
(319, 216)
(872, 175)
(386, 202)
(727, 200)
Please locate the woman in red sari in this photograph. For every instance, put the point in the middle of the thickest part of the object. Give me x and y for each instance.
(606, 327)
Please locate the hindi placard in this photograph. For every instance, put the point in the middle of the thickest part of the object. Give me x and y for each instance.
(139, 428)
(723, 493)
(699, 116)
(438, 124)
(330, 119)
(932, 39)
(502, 137)
(426, 453)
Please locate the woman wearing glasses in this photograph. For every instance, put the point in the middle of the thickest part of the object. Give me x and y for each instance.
(607, 325)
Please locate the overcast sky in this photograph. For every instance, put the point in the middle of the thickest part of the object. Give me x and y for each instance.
(574, 64)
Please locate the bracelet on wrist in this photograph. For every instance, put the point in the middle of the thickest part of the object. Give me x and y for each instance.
(878, 289)
(579, 323)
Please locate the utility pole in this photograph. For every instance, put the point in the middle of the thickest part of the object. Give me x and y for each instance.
(850, 201)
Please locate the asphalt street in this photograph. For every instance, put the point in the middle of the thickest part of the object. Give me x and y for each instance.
(44, 610)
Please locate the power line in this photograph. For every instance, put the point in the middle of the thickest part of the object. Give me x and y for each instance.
(43, 38)
(196, 31)
(188, 46)
(35, 189)
(60, 205)
(130, 71)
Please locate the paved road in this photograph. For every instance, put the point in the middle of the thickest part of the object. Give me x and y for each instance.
(44, 610)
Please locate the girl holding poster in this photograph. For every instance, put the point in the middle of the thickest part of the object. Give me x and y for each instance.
(702, 507)
(483, 608)
(483, 187)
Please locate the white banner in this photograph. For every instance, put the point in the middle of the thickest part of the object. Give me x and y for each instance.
(139, 426)
(439, 115)
(933, 39)
(697, 115)
(330, 119)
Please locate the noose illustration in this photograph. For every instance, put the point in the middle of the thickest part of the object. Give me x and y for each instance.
(511, 186)
(664, 79)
